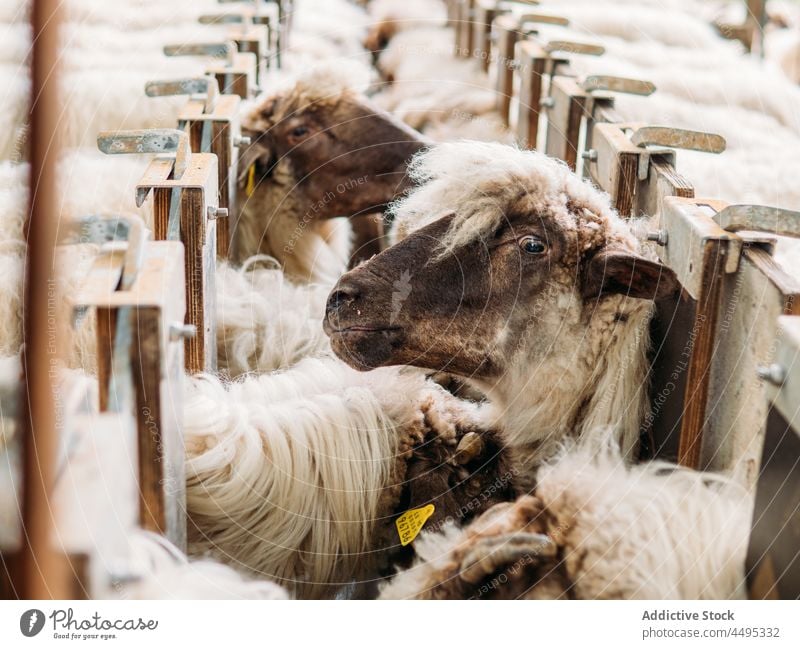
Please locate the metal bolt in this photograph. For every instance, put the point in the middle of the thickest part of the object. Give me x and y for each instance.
(217, 213)
(590, 155)
(774, 374)
(547, 102)
(180, 331)
(242, 140)
(661, 237)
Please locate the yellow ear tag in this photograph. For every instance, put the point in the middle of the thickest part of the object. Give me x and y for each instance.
(410, 523)
(250, 186)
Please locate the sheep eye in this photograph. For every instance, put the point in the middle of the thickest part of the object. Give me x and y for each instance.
(299, 131)
(532, 245)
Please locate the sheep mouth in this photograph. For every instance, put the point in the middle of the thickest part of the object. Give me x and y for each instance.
(361, 329)
(365, 347)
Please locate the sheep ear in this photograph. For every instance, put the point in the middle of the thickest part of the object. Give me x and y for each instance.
(623, 273)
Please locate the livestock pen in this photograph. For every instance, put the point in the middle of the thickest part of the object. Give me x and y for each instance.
(400, 299)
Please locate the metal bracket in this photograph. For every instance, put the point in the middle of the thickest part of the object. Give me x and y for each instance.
(94, 229)
(160, 140)
(672, 138)
(574, 47)
(207, 86)
(226, 19)
(138, 236)
(691, 225)
(759, 218)
(544, 19)
(225, 50)
(678, 138)
(596, 82)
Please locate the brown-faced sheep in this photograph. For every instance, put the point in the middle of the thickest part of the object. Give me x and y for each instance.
(320, 150)
(520, 278)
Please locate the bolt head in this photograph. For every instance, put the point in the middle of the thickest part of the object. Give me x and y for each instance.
(661, 237)
(774, 374)
(181, 331)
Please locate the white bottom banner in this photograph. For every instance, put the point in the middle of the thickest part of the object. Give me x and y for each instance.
(403, 625)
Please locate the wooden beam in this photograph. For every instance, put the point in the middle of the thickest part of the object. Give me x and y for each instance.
(39, 571)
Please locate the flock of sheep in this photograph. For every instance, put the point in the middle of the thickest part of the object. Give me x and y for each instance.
(503, 390)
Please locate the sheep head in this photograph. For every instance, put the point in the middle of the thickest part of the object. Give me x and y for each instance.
(506, 262)
(343, 155)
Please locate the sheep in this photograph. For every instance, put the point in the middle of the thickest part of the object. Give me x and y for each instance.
(309, 166)
(389, 17)
(593, 528)
(14, 105)
(337, 23)
(91, 184)
(534, 291)
(444, 97)
(299, 476)
(264, 321)
(166, 573)
(91, 50)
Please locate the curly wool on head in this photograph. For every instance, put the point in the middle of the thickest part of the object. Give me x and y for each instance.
(484, 183)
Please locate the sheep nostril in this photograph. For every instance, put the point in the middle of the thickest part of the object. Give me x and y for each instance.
(342, 296)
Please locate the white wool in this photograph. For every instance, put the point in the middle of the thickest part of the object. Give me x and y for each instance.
(670, 23)
(264, 321)
(653, 531)
(337, 22)
(15, 43)
(108, 43)
(274, 221)
(14, 199)
(716, 79)
(409, 54)
(285, 471)
(91, 184)
(138, 14)
(15, 89)
(433, 552)
(408, 14)
(12, 266)
(94, 183)
(783, 48)
(14, 11)
(93, 103)
(166, 573)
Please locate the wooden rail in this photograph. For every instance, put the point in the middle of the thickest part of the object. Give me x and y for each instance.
(213, 124)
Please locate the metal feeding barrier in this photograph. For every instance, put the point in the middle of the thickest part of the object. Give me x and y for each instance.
(186, 209)
(213, 124)
(140, 332)
(94, 468)
(236, 71)
(725, 345)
